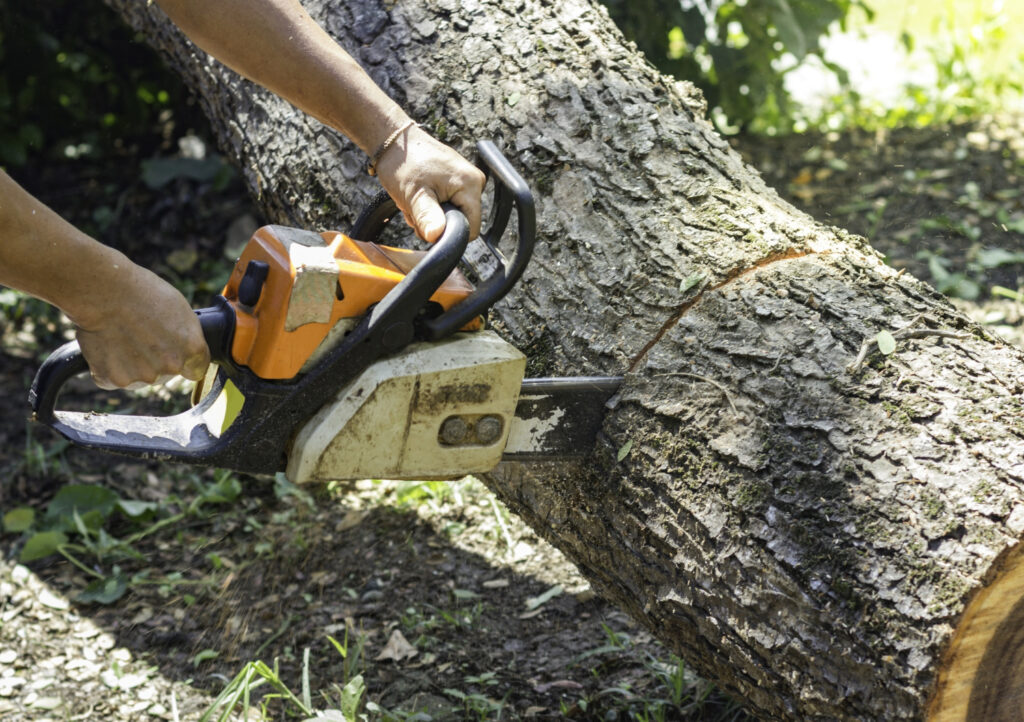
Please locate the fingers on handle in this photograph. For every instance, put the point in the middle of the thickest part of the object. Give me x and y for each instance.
(428, 218)
(469, 203)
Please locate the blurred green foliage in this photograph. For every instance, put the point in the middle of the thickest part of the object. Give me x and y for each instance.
(75, 81)
(736, 51)
(978, 64)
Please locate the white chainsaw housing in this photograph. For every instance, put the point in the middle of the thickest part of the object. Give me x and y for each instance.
(435, 411)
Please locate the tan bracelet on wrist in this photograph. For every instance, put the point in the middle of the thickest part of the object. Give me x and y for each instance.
(371, 166)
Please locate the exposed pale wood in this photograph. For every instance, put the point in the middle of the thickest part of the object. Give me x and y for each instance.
(982, 677)
(807, 536)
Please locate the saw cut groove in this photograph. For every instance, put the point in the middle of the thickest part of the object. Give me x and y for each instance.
(733, 276)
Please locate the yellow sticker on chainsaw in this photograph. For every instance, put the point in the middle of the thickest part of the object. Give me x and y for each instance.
(225, 409)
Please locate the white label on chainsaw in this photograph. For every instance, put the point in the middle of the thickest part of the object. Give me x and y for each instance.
(288, 236)
(315, 288)
(386, 423)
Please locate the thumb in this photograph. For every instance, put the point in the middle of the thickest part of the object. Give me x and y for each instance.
(427, 216)
(195, 367)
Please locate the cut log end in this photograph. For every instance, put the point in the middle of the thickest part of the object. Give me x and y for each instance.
(982, 677)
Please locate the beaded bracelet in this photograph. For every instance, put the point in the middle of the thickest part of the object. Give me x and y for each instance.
(371, 166)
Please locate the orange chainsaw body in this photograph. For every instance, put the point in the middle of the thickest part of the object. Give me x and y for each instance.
(268, 337)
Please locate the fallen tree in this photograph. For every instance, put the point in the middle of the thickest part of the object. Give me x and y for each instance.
(823, 520)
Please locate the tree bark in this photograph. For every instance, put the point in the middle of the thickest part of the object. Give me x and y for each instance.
(824, 541)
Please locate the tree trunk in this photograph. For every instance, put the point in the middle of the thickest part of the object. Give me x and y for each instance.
(824, 541)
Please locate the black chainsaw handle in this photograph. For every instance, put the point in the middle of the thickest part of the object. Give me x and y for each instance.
(510, 190)
(218, 325)
(60, 367)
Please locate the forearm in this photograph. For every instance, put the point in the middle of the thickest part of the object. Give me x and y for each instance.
(45, 256)
(276, 44)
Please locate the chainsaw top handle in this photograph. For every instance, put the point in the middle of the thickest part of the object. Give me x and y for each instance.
(510, 190)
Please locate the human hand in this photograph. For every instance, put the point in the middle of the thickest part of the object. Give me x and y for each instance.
(139, 330)
(420, 173)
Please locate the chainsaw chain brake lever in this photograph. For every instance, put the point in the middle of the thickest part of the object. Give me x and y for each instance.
(510, 191)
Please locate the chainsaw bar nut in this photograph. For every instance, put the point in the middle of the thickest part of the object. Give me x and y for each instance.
(454, 431)
(488, 429)
(458, 431)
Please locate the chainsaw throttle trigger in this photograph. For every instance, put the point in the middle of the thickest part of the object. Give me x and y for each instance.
(510, 191)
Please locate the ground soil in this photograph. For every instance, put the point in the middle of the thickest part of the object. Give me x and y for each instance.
(495, 623)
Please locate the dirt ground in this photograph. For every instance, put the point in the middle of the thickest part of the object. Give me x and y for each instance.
(447, 606)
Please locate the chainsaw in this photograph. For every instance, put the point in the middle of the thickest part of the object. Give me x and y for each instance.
(337, 357)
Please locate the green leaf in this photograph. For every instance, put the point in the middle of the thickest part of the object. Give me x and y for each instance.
(624, 451)
(351, 694)
(995, 257)
(342, 648)
(205, 655)
(886, 342)
(104, 591)
(1015, 226)
(83, 498)
(91, 520)
(690, 281)
(957, 284)
(41, 544)
(1004, 292)
(937, 267)
(135, 509)
(19, 520)
(224, 491)
(534, 602)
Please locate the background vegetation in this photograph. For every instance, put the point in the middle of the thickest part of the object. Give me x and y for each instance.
(74, 82)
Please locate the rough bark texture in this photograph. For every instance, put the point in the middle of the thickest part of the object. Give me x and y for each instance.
(807, 536)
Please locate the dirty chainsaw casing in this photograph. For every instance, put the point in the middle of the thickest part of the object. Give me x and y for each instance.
(339, 358)
(437, 411)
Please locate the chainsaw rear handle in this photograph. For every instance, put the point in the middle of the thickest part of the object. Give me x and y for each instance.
(510, 190)
(217, 323)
